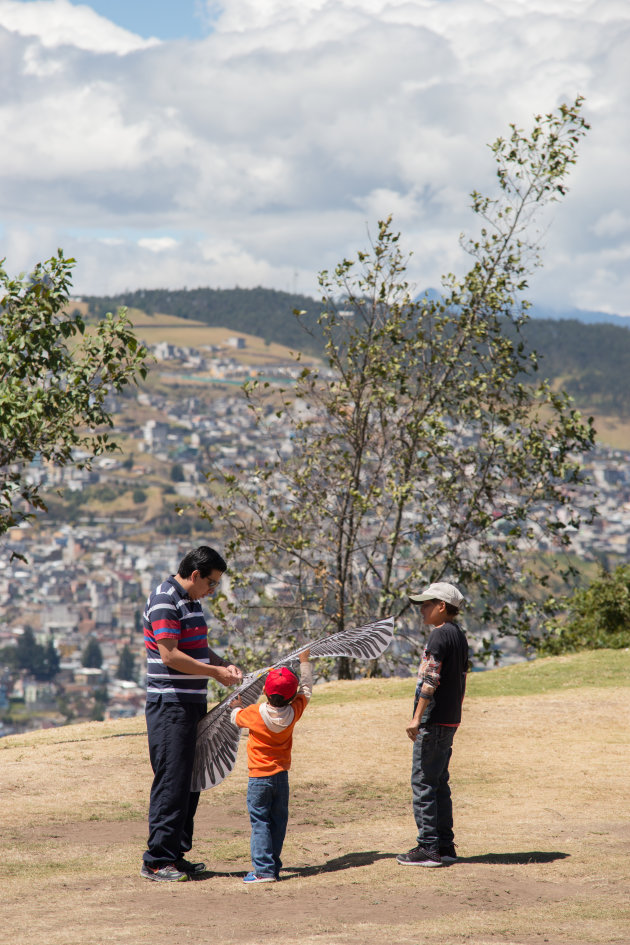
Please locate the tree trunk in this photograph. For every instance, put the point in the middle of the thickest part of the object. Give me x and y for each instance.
(345, 668)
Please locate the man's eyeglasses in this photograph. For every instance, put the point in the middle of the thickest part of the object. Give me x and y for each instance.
(212, 584)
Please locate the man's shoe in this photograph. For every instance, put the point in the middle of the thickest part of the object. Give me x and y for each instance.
(419, 856)
(191, 869)
(252, 878)
(165, 874)
(448, 854)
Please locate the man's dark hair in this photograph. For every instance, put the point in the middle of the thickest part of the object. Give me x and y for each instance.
(203, 559)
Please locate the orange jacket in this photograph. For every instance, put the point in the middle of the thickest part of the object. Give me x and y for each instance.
(268, 752)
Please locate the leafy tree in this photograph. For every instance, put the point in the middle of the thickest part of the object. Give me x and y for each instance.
(54, 380)
(97, 713)
(52, 660)
(126, 664)
(65, 708)
(92, 656)
(139, 496)
(177, 472)
(27, 651)
(8, 657)
(100, 703)
(29, 655)
(596, 617)
(427, 449)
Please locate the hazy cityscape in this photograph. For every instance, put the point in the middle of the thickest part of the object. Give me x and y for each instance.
(84, 579)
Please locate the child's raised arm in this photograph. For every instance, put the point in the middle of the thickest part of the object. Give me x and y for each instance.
(306, 675)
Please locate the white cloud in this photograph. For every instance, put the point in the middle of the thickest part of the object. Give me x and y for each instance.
(612, 224)
(61, 23)
(266, 151)
(157, 244)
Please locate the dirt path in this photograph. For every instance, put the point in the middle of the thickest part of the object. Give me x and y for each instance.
(542, 818)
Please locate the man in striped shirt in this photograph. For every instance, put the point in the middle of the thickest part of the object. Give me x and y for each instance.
(179, 664)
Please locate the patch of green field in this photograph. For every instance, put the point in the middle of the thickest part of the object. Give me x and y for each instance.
(592, 668)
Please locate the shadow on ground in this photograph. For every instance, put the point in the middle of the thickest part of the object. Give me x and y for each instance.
(346, 862)
(521, 859)
(351, 861)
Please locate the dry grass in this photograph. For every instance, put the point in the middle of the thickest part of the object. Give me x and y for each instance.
(540, 784)
(611, 431)
(182, 331)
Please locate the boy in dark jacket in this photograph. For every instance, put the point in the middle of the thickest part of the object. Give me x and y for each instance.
(437, 714)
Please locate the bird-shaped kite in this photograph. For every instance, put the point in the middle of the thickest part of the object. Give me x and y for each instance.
(218, 738)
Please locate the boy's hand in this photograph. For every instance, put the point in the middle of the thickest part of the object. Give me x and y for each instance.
(237, 702)
(304, 656)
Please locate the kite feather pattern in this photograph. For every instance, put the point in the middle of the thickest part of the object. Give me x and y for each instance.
(217, 738)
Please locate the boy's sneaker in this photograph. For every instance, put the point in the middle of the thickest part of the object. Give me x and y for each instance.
(192, 869)
(165, 874)
(252, 878)
(448, 854)
(419, 856)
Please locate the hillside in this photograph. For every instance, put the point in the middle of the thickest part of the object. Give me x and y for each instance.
(541, 811)
(575, 356)
(265, 313)
(591, 362)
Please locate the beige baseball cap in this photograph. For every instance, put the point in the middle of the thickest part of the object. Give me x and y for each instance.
(439, 591)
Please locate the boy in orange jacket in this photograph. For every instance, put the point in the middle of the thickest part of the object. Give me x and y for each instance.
(269, 744)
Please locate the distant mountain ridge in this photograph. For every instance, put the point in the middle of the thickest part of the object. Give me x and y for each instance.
(561, 314)
(587, 353)
(580, 315)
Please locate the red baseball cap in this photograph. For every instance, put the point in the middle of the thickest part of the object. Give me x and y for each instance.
(281, 682)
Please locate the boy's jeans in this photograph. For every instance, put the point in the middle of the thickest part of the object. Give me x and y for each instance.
(268, 807)
(432, 805)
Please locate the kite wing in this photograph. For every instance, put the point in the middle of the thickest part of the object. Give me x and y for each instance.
(218, 738)
(363, 643)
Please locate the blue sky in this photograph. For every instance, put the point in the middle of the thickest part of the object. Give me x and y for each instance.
(164, 19)
(258, 142)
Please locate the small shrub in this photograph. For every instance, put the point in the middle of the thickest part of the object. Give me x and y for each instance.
(597, 617)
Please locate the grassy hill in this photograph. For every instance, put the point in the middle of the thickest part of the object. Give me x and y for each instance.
(539, 776)
(590, 361)
(266, 313)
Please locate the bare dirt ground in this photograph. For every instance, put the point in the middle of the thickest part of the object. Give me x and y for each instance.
(541, 792)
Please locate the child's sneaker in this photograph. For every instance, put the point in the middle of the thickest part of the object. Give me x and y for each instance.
(252, 878)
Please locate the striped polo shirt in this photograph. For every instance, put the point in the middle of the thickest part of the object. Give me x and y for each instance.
(170, 614)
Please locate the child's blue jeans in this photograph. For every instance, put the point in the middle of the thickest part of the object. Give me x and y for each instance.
(268, 807)
(432, 805)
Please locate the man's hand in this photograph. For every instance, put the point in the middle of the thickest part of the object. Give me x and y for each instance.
(227, 675)
(413, 729)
